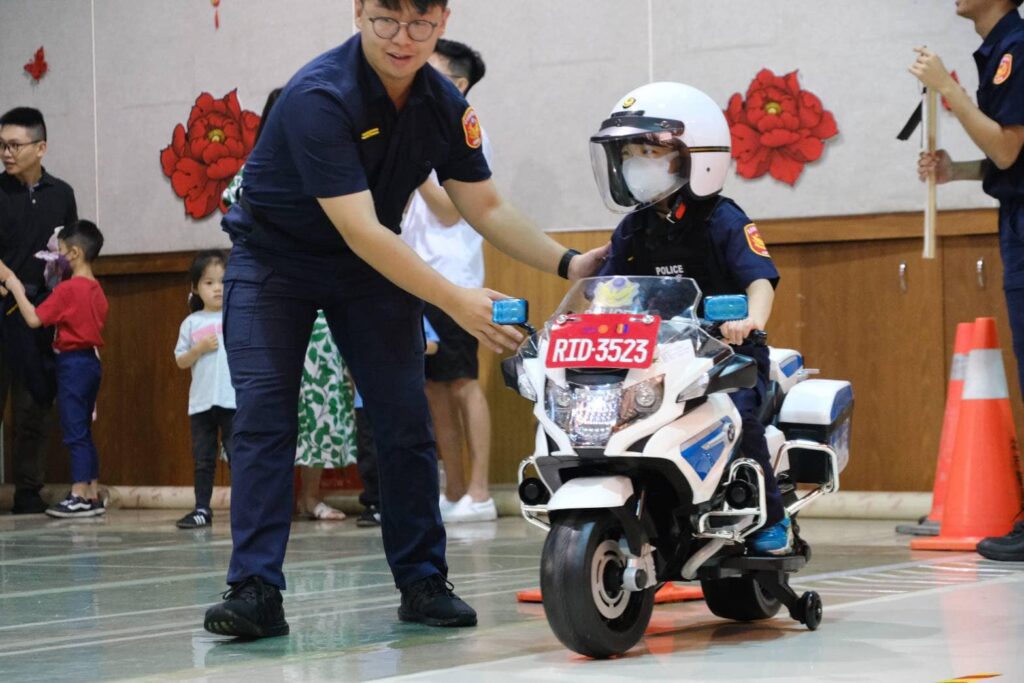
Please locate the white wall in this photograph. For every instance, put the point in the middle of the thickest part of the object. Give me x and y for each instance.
(555, 67)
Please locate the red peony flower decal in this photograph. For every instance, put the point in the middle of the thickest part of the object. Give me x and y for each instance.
(38, 67)
(778, 127)
(202, 159)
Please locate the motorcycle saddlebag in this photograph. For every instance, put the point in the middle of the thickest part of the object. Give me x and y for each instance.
(818, 410)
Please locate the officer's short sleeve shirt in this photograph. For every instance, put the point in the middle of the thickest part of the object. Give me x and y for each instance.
(740, 245)
(735, 238)
(333, 132)
(1000, 61)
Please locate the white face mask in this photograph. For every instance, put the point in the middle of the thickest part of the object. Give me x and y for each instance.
(649, 179)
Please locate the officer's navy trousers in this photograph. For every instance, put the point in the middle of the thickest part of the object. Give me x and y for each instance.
(268, 318)
(1011, 247)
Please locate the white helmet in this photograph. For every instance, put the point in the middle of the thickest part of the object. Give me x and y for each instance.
(634, 153)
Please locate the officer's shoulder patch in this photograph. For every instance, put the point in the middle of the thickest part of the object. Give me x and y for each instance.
(1004, 70)
(471, 127)
(754, 240)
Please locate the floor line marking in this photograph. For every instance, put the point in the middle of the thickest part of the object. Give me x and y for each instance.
(149, 636)
(290, 599)
(440, 674)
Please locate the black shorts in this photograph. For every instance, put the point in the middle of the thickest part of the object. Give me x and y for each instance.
(456, 356)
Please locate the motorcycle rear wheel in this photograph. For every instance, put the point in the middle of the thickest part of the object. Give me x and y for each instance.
(739, 598)
(581, 586)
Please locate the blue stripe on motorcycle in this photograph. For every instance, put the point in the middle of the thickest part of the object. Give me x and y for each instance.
(703, 459)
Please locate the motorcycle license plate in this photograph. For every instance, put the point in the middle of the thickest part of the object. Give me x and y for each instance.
(607, 340)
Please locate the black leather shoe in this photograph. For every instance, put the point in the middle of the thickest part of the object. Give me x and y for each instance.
(1008, 548)
(370, 516)
(28, 503)
(252, 608)
(431, 601)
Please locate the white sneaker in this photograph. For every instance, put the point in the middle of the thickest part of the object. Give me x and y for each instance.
(446, 506)
(468, 510)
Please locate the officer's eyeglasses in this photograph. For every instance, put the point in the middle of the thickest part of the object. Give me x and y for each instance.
(15, 147)
(387, 28)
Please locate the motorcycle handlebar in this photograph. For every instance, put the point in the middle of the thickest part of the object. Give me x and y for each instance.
(755, 338)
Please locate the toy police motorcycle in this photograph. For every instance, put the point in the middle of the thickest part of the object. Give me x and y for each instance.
(636, 472)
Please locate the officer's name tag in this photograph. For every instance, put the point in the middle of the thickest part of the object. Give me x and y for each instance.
(609, 340)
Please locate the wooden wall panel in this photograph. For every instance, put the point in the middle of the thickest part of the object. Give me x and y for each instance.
(968, 296)
(839, 303)
(142, 427)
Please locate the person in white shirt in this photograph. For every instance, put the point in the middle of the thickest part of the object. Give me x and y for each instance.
(211, 398)
(437, 232)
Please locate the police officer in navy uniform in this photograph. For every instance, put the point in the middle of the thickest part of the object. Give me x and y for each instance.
(996, 125)
(352, 135)
(662, 156)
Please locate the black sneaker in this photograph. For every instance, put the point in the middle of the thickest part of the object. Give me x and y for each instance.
(1008, 548)
(252, 608)
(74, 506)
(28, 503)
(431, 601)
(195, 519)
(370, 516)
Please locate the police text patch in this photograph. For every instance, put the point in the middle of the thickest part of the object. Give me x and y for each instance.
(754, 240)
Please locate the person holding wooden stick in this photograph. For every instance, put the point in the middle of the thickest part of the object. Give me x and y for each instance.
(996, 125)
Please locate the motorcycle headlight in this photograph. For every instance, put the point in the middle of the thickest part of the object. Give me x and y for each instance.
(640, 400)
(595, 414)
(558, 403)
(591, 414)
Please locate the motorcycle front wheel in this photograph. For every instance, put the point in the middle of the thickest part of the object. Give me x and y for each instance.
(581, 586)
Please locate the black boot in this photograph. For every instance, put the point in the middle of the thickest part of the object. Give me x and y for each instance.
(252, 608)
(1008, 548)
(28, 502)
(431, 601)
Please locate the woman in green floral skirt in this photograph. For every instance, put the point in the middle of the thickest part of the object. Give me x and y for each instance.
(327, 427)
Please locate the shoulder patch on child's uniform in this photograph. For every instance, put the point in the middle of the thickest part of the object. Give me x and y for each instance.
(471, 127)
(1004, 70)
(754, 240)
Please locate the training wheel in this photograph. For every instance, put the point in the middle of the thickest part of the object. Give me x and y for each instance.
(811, 609)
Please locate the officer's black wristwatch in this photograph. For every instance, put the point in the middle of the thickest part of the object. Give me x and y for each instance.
(563, 265)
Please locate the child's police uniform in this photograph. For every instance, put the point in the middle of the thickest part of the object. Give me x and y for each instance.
(333, 132)
(718, 246)
(1000, 61)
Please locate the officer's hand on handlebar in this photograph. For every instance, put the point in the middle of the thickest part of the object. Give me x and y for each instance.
(736, 332)
(472, 309)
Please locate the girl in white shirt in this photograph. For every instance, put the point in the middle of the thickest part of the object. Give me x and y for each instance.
(211, 398)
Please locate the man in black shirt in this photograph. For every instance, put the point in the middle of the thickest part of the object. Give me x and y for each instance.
(32, 205)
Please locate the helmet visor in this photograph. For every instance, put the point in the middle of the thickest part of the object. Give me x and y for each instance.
(635, 168)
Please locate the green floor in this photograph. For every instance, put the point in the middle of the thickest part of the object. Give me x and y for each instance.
(122, 597)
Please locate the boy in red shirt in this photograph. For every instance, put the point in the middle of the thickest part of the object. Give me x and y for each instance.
(78, 309)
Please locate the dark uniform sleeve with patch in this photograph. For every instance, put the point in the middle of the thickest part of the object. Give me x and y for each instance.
(737, 239)
(465, 162)
(1004, 102)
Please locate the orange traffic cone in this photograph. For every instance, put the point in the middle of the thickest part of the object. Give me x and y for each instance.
(984, 492)
(670, 592)
(929, 526)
